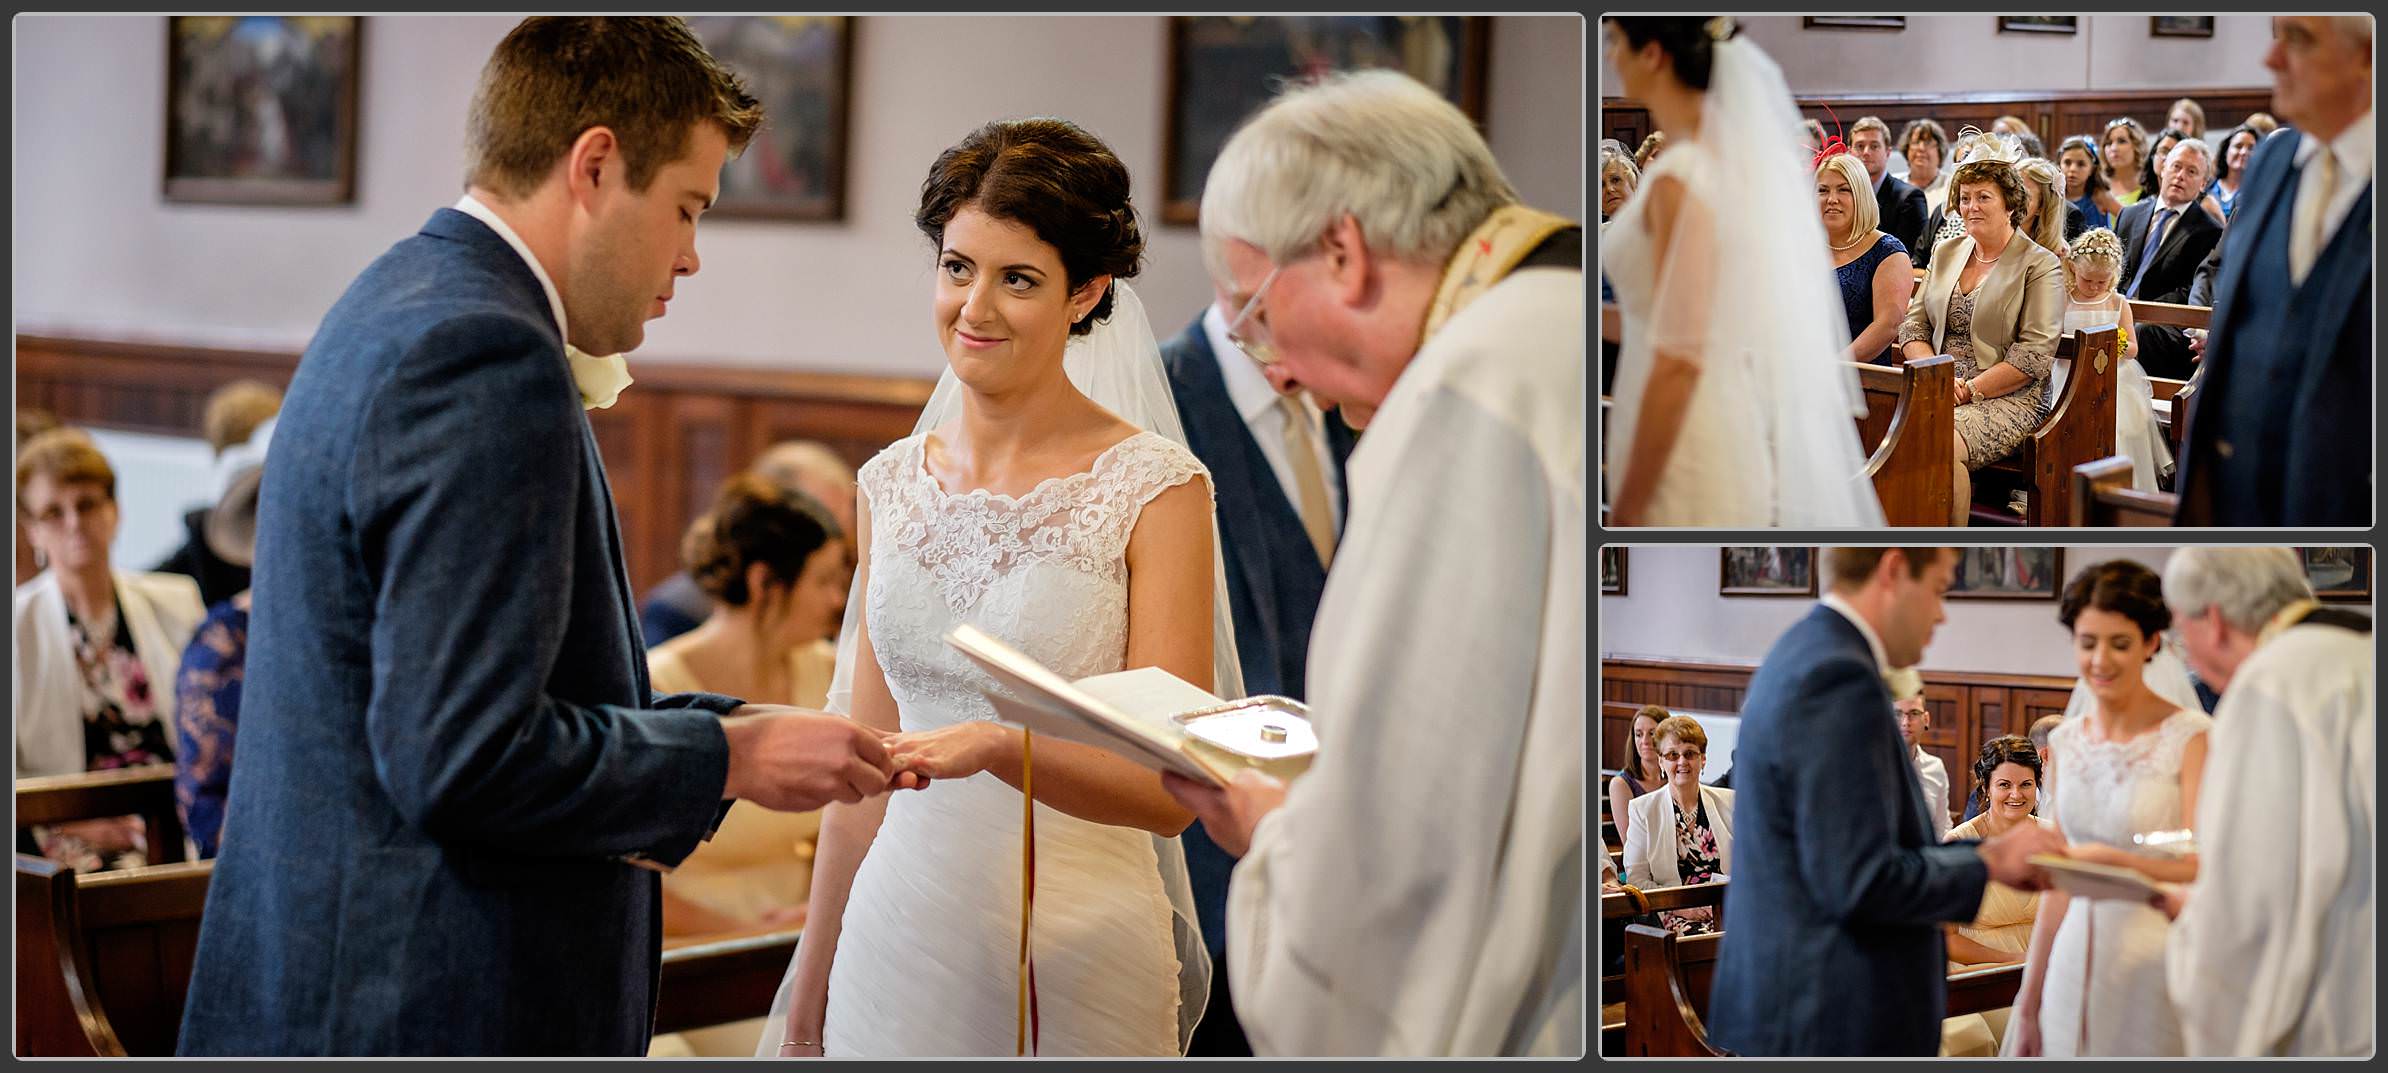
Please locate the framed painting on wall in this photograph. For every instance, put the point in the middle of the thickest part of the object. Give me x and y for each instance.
(2181, 25)
(262, 109)
(1853, 22)
(2039, 24)
(2008, 574)
(2338, 573)
(1612, 570)
(1223, 68)
(1766, 571)
(802, 68)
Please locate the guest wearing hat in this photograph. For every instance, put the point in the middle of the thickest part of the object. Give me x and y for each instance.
(207, 686)
(232, 418)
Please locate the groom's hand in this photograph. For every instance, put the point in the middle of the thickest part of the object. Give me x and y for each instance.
(793, 760)
(2009, 855)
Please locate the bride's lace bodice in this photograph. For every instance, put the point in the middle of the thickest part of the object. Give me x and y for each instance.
(2108, 791)
(1045, 571)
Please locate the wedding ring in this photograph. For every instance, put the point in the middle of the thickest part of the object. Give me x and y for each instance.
(1272, 733)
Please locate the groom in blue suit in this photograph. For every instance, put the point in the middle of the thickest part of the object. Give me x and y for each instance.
(2280, 433)
(455, 785)
(1274, 571)
(1833, 945)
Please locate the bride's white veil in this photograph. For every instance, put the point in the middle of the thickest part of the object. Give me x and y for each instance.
(1118, 365)
(1748, 290)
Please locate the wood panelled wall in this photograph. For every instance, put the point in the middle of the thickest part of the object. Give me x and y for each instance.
(668, 442)
(2053, 116)
(1967, 709)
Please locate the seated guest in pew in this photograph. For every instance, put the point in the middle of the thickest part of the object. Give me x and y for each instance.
(2263, 124)
(233, 416)
(2187, 118)
(1925, 145)
(1945, 222)
(1681, 833)
(2280, 433)
(2161, 151)
(2095, 262)
(1618, 177)
(805, 467)
(1994, 300)
(2164, 239)
(96, 647)
(2078, 158)
(2094, 976)
(1811, 134)
(1915, 717)
(31, 421)
(2043, 186)
(1651, 146)
(1837, 876)
(1869, 265)
(2125, 157)
(2006, 776)
(207, 684)
(2010, 124)
(2271, 948)
(2238, 147)
(1901, 208)
(772, 561)
(1643, 771)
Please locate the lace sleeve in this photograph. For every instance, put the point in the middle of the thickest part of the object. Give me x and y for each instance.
(1138, 474)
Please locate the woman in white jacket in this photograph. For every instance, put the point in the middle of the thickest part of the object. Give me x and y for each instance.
(1682, 832)
(93, 683)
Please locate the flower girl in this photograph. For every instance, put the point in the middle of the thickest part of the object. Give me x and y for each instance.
(2091, 268)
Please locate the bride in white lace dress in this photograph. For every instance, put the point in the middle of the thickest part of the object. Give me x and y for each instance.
(1082, 537)
(2094, 982)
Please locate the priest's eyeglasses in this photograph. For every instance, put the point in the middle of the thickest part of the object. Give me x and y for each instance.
(1255, 342)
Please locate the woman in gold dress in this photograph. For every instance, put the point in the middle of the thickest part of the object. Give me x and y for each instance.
(2007, 775)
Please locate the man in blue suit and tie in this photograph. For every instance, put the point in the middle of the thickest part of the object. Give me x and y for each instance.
(455, 786)
(1833, 945)
(2280, 432)
(1276, 467)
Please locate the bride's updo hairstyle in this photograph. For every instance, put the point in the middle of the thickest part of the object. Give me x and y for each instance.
(1688, 40)
(1054, 178)
(2121, 587)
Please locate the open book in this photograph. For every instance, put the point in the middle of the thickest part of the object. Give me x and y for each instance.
(2083, 879)
(1133, 713)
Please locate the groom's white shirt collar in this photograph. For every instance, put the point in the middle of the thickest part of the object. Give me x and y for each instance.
(600, 380)
(1873, 643)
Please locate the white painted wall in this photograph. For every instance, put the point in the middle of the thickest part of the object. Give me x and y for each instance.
(98, 252)
(1671, 610)
(1967, 53)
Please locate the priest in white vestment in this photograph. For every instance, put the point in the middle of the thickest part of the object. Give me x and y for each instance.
(2271, 949)
(1420, 890)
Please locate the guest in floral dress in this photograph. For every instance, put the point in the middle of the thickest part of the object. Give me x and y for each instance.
(207, 687)
(1682, 832)
(1995, 302)
(95, 647)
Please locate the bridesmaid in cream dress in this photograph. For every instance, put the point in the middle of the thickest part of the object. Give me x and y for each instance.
(775, 565)
(2008, 776)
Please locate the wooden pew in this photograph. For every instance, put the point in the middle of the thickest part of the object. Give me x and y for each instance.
(720, 982)
(2078, 429)
(1634, 903)
(104, 962)
(122, 944)
(2171, 418)
(1668, 979)
(146, 791)
(2103, 497)
(1910, 431)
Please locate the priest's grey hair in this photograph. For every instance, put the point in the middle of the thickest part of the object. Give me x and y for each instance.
(2248, 585)
(1402, 161)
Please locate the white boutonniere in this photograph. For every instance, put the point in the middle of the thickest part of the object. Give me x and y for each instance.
(1903, 682)
(600, 380)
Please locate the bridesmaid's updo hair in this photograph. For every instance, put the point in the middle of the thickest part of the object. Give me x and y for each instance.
(2011, 749)
(1056, 179)
(753, 521)
(2122, 587)
(1687, 40)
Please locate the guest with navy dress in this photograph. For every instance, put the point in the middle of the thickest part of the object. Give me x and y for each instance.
(1873, 268)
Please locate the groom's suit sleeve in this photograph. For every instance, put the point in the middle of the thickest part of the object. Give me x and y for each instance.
(464, 493)
(1847, 804)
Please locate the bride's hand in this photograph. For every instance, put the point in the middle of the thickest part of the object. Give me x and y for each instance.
(955, 752)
